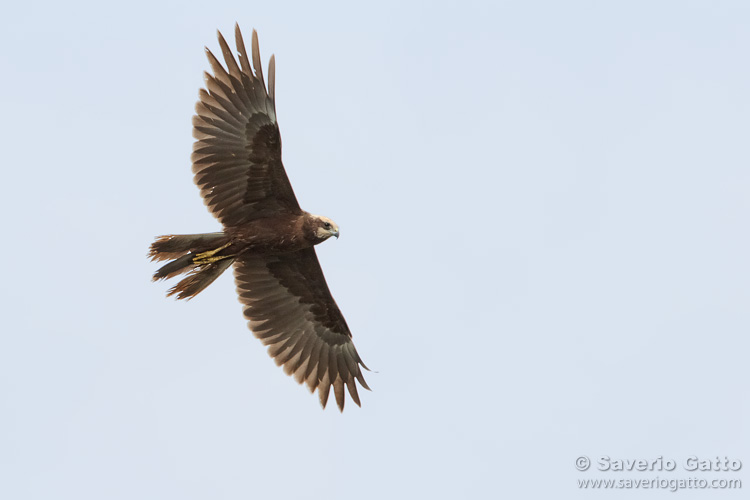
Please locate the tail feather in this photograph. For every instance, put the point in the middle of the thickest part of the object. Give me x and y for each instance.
(185, 251)
(174, 268)
(172, 246)
(199, 278)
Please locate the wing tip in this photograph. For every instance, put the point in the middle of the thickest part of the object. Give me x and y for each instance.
(323, 392)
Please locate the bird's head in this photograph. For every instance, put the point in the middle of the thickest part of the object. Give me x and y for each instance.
(324, 228)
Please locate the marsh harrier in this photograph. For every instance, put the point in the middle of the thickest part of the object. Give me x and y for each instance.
(266, 237)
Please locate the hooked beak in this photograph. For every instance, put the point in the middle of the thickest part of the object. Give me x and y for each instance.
(335, 233)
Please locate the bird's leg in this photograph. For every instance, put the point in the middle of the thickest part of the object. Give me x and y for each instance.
(208, 257)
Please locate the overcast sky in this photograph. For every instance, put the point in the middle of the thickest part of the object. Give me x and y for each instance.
(544, 249)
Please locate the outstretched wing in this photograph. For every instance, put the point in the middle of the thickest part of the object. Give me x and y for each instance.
(237, 153)
(290, 309)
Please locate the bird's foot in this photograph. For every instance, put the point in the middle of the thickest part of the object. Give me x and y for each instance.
(208, 257)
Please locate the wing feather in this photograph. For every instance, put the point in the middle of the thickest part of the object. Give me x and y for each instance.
(332, 364)
(290, 309)
(272, 79)
(237, 153)
(311, 372)
(220, 74)
(323, 389)
(244, 61)
(338, 391)
(256, 59)
(227, 97)
(352, 387)
(294, 357)
(234, 69)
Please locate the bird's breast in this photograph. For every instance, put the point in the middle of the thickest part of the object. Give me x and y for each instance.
(270, 236)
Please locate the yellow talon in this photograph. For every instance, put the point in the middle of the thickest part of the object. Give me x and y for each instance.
(208, 257)
(210, 260)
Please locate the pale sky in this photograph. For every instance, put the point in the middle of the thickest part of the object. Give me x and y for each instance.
(544, 250)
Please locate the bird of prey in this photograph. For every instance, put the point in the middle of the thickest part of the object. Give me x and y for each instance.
(266, 237)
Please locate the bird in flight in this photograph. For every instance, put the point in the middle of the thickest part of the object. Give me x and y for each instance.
(266, 237)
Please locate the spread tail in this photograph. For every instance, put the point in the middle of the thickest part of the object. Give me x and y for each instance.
(202, 256)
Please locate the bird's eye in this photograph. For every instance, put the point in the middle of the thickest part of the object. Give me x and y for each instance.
(328, 225)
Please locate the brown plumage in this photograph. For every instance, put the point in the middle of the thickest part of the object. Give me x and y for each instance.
(267, 237)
